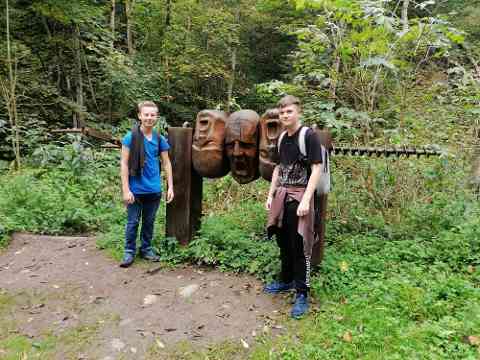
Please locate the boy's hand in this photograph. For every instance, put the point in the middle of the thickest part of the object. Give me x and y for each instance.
(268, 203)
(303, 208)
(128, 197)
(170, 195)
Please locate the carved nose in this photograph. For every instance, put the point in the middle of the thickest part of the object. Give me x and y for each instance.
(236, 149)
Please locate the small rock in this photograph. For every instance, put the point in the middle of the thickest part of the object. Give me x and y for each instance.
(244, 344)
(188, 291)
(125, 322)
(118, 345)
(473, 340)
(160, 344)
(133, 350)
(347, 337)
(150, 299)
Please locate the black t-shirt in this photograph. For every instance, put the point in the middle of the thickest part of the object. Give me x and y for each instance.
(294, 168)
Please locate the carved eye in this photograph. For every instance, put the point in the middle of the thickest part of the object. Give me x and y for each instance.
(247, 145)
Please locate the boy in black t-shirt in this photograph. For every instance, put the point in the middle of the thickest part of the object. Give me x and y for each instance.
(291, 204)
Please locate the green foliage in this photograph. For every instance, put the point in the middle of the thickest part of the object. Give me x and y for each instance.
(75, 191)
(233, 241)
(401, 272)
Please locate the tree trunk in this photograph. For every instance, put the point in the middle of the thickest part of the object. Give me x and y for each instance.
(233, 63)
(78, 118)
(90, 83)
(112, 21)
(9, 94)
(169, 13)
(475, 170)
(405, 16)
(110, 90)
(232, 78)
(129, 4)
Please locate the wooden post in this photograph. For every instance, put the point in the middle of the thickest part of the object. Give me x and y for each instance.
(184, 212)
(319, 246)
(321, 203)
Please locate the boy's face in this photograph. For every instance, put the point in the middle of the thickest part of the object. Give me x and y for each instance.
(289, 116)
(148, 116)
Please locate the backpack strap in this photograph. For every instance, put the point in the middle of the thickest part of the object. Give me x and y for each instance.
(301, 140)
(280, 138)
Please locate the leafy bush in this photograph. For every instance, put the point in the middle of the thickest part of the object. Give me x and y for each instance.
(70, 194)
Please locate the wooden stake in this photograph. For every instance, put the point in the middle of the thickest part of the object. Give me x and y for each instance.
(184, 212)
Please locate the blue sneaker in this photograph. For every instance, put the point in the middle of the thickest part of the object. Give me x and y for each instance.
(300, 307)
(127, 260)
(150, 256)
(278, 287)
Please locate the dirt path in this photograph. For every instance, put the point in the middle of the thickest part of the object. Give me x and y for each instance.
(63, 287)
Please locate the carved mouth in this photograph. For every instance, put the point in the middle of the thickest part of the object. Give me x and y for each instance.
(272, 130)
(240, 167)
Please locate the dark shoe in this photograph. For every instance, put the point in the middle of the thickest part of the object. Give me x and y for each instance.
(300, 307)
(150, 256)
(127, 260)
(278, 286)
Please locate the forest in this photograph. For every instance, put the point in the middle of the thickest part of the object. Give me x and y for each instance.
(400, 278)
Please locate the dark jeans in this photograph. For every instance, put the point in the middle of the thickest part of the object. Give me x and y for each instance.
(295, 267)
(145, 206)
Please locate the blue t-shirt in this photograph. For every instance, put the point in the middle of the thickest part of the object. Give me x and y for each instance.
(149, 182)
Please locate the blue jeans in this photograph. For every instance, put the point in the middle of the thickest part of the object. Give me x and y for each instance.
(145, 206)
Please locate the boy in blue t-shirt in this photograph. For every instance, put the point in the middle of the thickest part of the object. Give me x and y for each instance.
(141, 181)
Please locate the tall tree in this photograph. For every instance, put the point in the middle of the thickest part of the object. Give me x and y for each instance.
(78, 120)
(9, 92)
(129, 5)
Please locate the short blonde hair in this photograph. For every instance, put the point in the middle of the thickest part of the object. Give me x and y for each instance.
(288, 100)
(143, 104)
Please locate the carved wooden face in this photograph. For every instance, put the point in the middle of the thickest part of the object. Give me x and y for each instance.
(208, 144)
(241, 140)
(270, 130)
